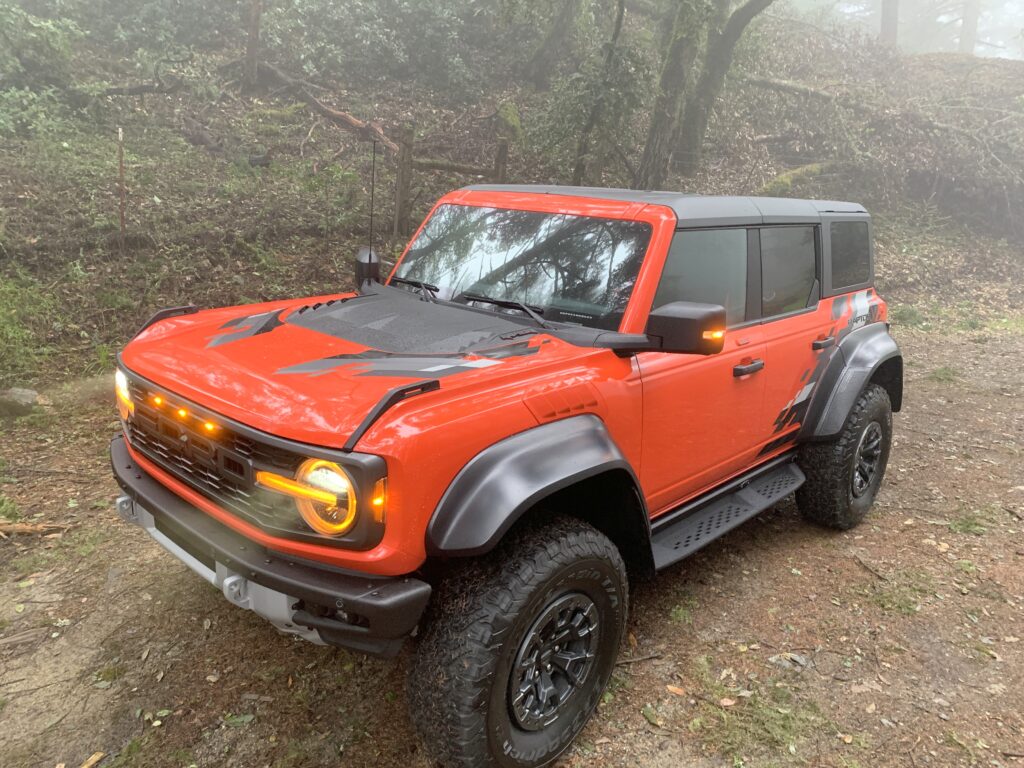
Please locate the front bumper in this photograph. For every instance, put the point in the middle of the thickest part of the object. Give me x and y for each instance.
(325, 605)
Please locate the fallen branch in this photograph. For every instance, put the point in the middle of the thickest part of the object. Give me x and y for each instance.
(428, 164)
(620, 662)
(25, 636)
(139, 90)
(870, 568)
(159, 86)
(369, 130)
(922, 120)
(6, 527)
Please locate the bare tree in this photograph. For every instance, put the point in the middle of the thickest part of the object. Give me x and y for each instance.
(718, 56)
(252, 45)
(889, 30)
(555, 45)
(583, 145)
(969, 26)
(668, 104)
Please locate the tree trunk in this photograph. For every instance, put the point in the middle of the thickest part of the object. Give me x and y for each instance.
(583, 145)
(556, 44)
(889, 30)
(718, 57)
(251, 75)
(969, 26)
(679, 58)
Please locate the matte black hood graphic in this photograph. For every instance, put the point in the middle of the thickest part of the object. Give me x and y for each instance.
(375, 362)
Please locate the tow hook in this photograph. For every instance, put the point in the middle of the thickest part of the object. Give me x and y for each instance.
(126, 510)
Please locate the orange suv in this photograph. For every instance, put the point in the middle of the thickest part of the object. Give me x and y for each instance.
(556, 390)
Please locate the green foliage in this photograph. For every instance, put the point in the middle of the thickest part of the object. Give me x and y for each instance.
(902, 592)
(944, 374)
(154, 25)
(971, 523)
(771, 718)
(624, 94)
(369, 41)
(34, 51)
(23, 310)
(26, 113)
(8, 510)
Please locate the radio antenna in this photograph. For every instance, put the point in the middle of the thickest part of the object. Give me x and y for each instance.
(373, 179)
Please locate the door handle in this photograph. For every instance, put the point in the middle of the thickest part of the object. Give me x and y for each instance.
(824, 343)
(748, 368)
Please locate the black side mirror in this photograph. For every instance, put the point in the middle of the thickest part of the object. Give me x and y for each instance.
(687, 327)
(367, 267)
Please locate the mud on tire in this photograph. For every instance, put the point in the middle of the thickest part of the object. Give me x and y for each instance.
(839, 491)
(493, 634)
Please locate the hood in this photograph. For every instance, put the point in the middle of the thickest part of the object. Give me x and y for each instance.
(311, 370)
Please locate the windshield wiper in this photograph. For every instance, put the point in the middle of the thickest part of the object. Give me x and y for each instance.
(429, 291)
(533, 312)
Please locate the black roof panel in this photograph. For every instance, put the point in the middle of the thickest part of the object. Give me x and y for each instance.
(700, 210)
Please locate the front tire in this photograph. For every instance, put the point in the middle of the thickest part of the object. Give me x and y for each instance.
(844, 474)
(519, 648)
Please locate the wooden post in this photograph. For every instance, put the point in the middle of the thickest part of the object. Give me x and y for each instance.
(403, 179)
(121, 190)
(501, 161)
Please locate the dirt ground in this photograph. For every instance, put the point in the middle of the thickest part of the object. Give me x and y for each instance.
(898, 644)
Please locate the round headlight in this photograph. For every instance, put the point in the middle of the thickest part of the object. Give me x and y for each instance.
(124, 396)
(330, 519)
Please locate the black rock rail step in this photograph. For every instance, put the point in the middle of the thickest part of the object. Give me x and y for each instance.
(682, 532)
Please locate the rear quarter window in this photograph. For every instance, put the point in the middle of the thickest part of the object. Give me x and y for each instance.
(851, 253)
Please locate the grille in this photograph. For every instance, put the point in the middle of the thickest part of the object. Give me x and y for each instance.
(221, 469)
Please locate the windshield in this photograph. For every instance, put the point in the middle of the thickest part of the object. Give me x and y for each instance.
(572, 269)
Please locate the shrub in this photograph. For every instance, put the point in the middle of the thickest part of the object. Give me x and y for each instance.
(35, 52)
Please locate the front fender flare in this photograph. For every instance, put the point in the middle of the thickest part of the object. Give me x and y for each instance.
(504, 481)
(859, 357)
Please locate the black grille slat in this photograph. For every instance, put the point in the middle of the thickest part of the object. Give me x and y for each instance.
(226, 482)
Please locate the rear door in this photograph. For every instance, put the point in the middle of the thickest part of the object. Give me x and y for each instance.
(797, 325)
(702, 414)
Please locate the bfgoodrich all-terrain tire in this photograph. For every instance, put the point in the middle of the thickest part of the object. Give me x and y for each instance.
(519, 647)
(844, 474)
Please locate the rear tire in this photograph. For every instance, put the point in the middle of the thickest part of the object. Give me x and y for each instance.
(519, 648)
(844, 474)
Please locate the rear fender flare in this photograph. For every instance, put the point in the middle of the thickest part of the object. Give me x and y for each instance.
(863, 356)
(503, 482)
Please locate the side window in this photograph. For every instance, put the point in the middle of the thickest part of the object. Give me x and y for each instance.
(851, 260)
(787, 269)
(709, 267)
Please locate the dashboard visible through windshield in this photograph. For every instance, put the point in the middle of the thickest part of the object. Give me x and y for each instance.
(567, 268)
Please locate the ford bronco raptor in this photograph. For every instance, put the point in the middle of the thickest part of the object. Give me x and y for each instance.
(555, 390)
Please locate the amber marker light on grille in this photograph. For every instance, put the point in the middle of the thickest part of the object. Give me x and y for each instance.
(209, 426)
(713, 335)
(182, 413)
(157, 400)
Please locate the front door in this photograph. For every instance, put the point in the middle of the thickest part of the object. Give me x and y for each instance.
(702, 414)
